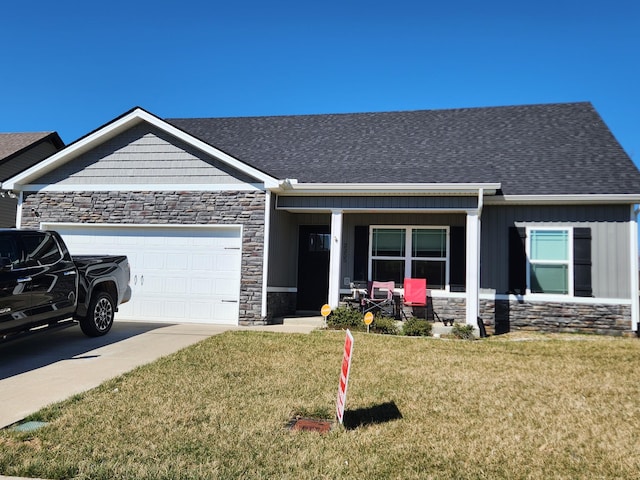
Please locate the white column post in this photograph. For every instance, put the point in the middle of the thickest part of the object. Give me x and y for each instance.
(19, 210)
(633, 250)
(335, 254)
(473, 267)
(265, 256)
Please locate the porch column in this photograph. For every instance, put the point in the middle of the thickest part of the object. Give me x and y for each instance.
(473, 267)
(335, 254)
(633, 244)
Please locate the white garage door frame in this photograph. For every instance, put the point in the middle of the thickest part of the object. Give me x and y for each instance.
(205, 306)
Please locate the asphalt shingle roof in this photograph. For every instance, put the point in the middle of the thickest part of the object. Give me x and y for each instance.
(531, 149)
(11, 143)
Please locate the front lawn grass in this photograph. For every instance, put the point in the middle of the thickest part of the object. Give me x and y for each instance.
(534, 407)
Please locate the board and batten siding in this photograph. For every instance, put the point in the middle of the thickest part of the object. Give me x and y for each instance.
(609, 226)
(372, 203)
(144, 155)
(283, 245)
(283, 249)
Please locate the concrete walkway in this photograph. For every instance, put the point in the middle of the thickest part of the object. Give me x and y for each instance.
(49, 367)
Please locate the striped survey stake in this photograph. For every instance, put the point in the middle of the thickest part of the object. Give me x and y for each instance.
(344, 376)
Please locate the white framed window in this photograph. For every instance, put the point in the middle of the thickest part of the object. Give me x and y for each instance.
(397, 252)
(550, 265)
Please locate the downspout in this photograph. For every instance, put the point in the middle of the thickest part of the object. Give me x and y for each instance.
(635, 306)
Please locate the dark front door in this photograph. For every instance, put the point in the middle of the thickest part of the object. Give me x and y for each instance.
(313, 266)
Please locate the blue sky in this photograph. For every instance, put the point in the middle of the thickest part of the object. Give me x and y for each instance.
(72, 66)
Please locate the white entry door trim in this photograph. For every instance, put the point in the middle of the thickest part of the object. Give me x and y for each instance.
(179, 273)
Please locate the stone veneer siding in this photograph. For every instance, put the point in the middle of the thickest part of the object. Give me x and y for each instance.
(171, 208)
(502, 316)
(508, 315)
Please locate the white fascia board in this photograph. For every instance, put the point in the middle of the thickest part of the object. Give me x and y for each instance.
(471, 189)
(118, 126)
(145, 187)
(563, 199)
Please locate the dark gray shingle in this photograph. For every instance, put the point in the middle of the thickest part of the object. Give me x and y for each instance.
(533, 149)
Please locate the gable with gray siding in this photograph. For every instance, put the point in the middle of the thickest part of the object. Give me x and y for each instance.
(144, 155)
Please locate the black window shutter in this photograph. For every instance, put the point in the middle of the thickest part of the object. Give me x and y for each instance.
(361, 253)
(457, 259)
(517, 260)
(582, 262)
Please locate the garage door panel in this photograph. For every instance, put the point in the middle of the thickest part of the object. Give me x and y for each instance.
(203, 262)
(177, 274)
(224, 289)
(154, 261)
(177, 261)
(202, 286)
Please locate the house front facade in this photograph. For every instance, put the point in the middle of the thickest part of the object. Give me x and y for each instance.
(521, 216)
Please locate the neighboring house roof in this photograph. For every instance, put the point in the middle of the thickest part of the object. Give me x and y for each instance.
(19, 151)
(554, 149)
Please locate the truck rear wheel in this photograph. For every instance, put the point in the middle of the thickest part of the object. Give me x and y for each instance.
(99, 317)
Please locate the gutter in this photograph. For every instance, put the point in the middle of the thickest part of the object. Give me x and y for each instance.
(564, 199)
(292, 187)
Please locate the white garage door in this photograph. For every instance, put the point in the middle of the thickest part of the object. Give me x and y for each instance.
(178, 274)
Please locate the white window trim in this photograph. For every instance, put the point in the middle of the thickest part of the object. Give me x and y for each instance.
(569, 261)
(408, 258)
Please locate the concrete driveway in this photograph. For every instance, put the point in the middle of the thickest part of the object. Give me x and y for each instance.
(47, 367)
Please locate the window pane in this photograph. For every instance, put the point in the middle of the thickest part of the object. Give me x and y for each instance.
(9, 250)
(433, 271)
(550, 279)
(388, 242)
(385, 270)
(549, 245)
(319, 242)
(41, 249)
(429, 243)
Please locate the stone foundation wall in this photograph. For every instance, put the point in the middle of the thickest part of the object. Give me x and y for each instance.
(172, 208)
(503, 316)
(553, 317)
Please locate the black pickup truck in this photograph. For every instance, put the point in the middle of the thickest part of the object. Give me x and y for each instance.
(41, 284)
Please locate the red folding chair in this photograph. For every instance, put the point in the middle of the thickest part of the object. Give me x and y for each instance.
(415, 292)
(415, 295)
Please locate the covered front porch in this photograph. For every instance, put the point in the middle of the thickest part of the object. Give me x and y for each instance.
(322, 242)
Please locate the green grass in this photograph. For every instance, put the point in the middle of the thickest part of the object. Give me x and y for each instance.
(536, 407)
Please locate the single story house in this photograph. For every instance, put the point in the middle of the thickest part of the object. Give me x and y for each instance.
(523, 216)
(19, 151)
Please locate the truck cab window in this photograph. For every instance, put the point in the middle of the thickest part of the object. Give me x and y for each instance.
(41, 249)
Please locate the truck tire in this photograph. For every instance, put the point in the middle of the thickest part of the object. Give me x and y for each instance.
(99, 317)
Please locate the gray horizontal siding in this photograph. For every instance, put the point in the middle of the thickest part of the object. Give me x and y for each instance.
(609, 248)
(365, 202)
(144, 155)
